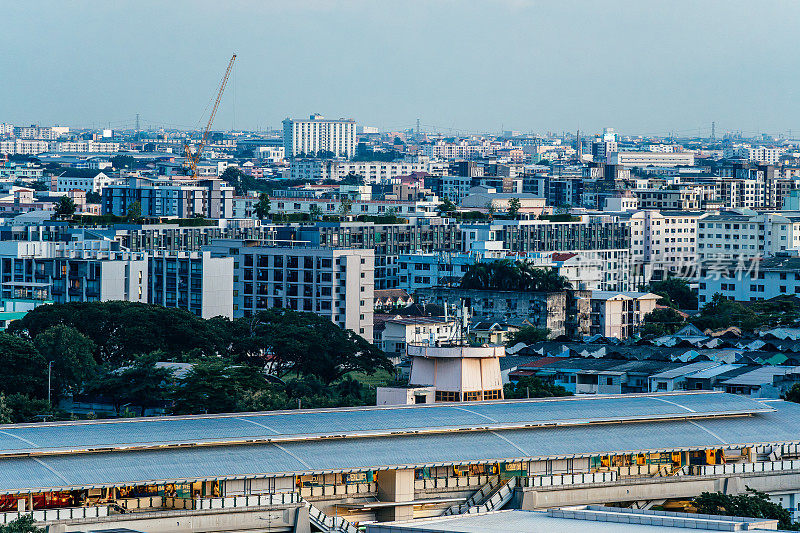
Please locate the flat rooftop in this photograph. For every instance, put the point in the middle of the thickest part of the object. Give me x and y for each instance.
(316, 424)
(589, 519)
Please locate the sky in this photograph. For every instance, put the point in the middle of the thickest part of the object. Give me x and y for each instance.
(642, 67)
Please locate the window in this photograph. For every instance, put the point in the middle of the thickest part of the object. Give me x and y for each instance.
(609, 381)
(447, 396)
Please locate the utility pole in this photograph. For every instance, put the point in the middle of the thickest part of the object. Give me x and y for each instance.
(49, 381)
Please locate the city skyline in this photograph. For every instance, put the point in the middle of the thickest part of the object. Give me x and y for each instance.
(514, 65)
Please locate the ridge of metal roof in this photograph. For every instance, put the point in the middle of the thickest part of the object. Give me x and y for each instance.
(133, 467)
(365, 422)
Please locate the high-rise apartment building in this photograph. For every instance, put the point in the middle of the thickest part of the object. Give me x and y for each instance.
(317, 134)
(337, 283)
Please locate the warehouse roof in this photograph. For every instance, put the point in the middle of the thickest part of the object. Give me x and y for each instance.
(780, 424)
(285, 426)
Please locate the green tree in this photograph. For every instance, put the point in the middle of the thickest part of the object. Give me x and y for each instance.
(675, 292)
(722, 313)
(22, 367)
(662, 321)
(134, 211)
(121, 331)
(528, 335)
(305, 344)
(72, 355)
(123, 161)
(793, 394)
(142, 384)
(65, 207)
(26, 409)
(533, 387)
(752, 503)
(508, 275)
(345, 206)
(214, 386)
(5, 411)
(446, 208)
(23, 524)
(263, 206)
(514, 205)
(93, 197)
(315, 212)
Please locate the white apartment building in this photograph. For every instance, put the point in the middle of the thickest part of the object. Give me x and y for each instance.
(756, 154)
(664, 241)
(270, 154)
(459, 150)
(6, 128)
(82, 271)
(71, 181)
(683, 197)
(373, 172)
(333, 206)
(777, 276)
(645, 159)
(620, 314)
(21, 171)
(319, 135)
(337, 283)
(24, 146)
(743, 235)
(39, 132)
(662, 148)
(87, 146)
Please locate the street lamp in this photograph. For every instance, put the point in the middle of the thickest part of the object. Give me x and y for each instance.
(49, 380)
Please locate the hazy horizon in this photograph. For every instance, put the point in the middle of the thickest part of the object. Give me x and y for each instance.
(457, 65)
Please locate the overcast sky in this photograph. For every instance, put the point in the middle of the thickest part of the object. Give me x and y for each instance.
(481, 65)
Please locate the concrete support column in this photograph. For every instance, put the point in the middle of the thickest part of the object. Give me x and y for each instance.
(396, 486)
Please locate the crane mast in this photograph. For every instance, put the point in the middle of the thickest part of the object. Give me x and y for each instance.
(193, 158)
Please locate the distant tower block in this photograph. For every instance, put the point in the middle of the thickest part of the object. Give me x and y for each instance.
(458, 373)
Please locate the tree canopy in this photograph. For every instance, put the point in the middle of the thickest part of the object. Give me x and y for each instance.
(528, 335)
(533, 387)
(675, 292)
(508, 275)
(752, 503)
(662, 321)
(722, 313)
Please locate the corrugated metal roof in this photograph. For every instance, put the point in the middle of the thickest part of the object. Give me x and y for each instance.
(309, 424)
(315, 456)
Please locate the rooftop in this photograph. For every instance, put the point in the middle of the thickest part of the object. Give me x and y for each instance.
(65, 455)
(582, 519)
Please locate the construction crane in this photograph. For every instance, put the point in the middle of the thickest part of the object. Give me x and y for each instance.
(193, 156)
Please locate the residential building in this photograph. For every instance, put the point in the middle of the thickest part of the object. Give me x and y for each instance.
(372, 171)
(751, 281)
(315, 135)
(620, 314)
(337, 283)
(81, 271)
(80, 179)
(644, 159)
(166, 198)
(742, 234)
(539, 309)
(194, 281)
